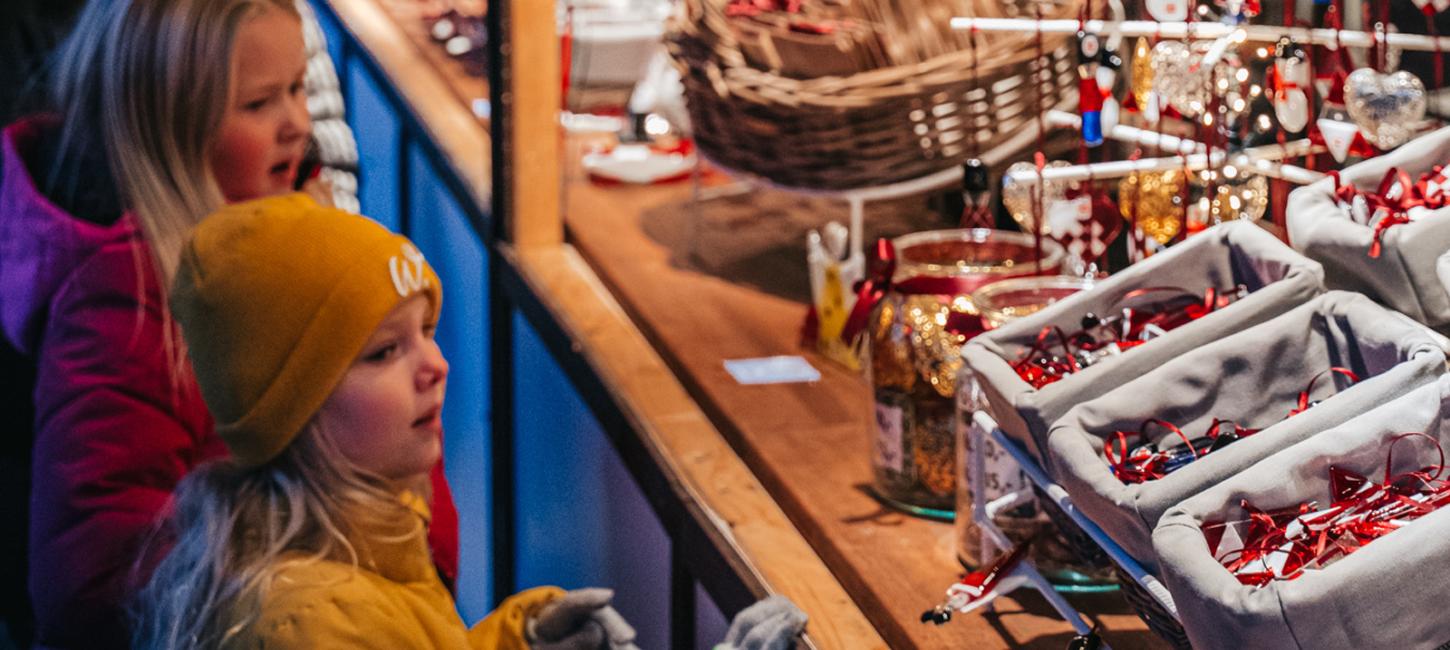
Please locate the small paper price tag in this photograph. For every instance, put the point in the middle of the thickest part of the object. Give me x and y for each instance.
(772, 370)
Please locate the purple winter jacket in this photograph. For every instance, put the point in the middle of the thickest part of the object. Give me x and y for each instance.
(112, 435)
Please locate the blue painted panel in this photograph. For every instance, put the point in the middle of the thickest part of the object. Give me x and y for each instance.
(441, 230)
(710, 623)
(582, 520)
(378, 132)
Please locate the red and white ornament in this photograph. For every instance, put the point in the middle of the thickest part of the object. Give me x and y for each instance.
(1168, 10)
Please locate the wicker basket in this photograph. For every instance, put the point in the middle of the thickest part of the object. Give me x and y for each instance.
(1158, 619)
(869, 128)
(1143, 603)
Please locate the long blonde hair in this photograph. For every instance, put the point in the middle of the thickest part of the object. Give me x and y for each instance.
(149, 81)
(235, 528)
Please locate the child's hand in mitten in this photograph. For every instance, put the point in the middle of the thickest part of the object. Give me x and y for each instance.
(581, 620)
(771, 624)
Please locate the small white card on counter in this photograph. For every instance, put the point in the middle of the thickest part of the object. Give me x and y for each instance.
(772, 370)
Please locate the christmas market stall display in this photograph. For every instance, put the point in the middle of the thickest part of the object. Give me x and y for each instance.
(1216, 283)
(920, 292)
(1340, 541)
(1380, 227)
(1128, 456)
(840, 95)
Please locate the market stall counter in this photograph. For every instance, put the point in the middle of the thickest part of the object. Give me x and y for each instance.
(761, 488)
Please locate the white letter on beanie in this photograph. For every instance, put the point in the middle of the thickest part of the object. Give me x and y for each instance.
(408, 273)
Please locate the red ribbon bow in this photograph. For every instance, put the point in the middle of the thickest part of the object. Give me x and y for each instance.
(1396, 195)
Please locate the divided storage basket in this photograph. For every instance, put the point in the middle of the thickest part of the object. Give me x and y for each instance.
(1254, 379)
(1221, 257)
(1404, 275)
(1391, 593)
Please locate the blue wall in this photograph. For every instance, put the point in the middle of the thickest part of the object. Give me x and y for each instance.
(582, 519)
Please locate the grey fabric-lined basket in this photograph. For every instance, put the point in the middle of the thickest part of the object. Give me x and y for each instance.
(1391, 593)
(1252, 378)
(1404, 276)
(1220, 257)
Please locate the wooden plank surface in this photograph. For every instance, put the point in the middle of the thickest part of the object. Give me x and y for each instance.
(807, 443)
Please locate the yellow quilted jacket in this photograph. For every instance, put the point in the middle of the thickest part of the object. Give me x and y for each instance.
(392, 601)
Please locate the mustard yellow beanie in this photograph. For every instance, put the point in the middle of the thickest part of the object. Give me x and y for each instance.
(276, 298)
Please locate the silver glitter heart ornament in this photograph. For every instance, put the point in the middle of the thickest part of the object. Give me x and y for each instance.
(1188, 86)
(1385, 107)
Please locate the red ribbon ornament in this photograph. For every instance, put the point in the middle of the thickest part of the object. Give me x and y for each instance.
(1286, 542)
(1142, 464)
(1392, 200)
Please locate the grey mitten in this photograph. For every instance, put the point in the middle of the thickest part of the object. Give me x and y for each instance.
(581, 620)
(771, 624)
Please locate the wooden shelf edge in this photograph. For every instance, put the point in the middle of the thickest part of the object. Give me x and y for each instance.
(459, 135)
(693, 452)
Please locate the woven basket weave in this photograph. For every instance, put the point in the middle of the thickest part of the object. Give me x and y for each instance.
(870, 128)
(1143, 603)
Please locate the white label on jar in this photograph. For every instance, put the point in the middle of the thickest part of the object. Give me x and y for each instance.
(888, 437)
(1001, 473)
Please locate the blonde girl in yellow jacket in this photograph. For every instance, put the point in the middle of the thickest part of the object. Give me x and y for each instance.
(311, 334)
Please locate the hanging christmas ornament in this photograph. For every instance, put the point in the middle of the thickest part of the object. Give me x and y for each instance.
(976, 195)
(1168, 10)
(1152, 110)
(1156, 198)
(1243, 196)
(1142, 73)
(1386, 107)
(1017, 197)
(1085, 224)
(1238, 11)
(1338, 135)
(1107, 76)
(1289, 79)
(1089, 97)
(1188, 86)
(1334, 125)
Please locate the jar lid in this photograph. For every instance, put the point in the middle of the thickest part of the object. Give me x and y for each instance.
(1007, 300)
(974, 251)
